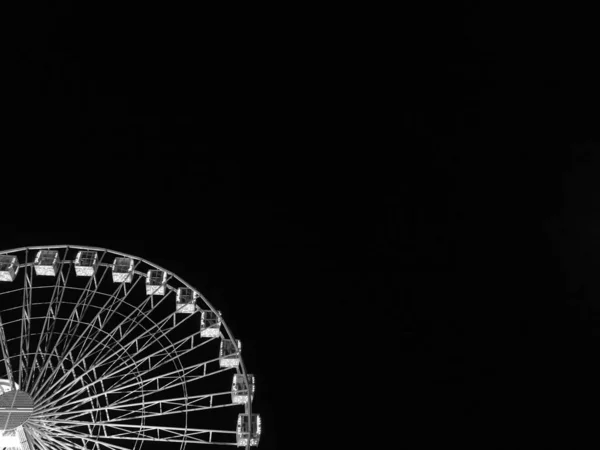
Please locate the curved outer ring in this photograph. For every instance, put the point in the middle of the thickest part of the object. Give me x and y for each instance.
(212, 308)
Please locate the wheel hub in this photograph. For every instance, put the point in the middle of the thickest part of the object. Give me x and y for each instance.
(15, 408)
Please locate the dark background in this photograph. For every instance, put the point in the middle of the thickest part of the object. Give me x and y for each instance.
(395, 213)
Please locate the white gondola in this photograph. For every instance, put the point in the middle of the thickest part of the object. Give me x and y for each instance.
(46, 263)
(185, 302)
(248, 430)
(210, 324)
(228, 357)
(122, 270)
(9, 267)
(155, 282)
(86, 263)
(239, 393)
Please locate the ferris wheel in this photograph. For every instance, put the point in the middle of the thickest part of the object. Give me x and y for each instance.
(104, 350)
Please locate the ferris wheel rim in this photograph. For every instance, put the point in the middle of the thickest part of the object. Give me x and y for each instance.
(67, 247)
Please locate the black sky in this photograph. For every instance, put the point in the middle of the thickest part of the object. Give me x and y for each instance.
(397, 215)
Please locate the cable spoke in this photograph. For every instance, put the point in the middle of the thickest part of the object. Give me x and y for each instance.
(6, 356)
(143, 432)
(174, 383)
(25, 322)
(49, 314)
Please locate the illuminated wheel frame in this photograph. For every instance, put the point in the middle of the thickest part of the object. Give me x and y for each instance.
(106, 350)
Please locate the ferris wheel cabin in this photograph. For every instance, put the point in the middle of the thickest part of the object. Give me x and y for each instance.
(185, 302)
(239, 393)
(46, 263)
(9, 267)
(155, 282)
(122, 270)
(248, 430)
(210, 324)
(86, 263)
(228, 357)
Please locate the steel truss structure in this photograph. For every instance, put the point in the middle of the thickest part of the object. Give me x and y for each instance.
(104, 350)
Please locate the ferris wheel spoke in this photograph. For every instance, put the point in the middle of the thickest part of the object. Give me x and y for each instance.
(165, 355)
(25, 322)
(133, 326)
(44, 404)
(150, 408)
(109, 309)
(109, 356)
(83, 303)
(39, 439)
(6, 356)
(69, 386)
(76, 403)
(176, 377)
(80, 308)
(59, 294)
(122, 374)
(169, 351)
(44, 368)
(131, 415)
(148, 413)
(61, 358)
(63, 384)
(88, 339)
(176, 381)
(36, 433)
(41, 395)
(130, 318)
(146, 432)
(54, 442)
(50, 315)
(66, 431)
(149, 300)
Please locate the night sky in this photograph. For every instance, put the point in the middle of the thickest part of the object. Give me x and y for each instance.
(404, 236)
